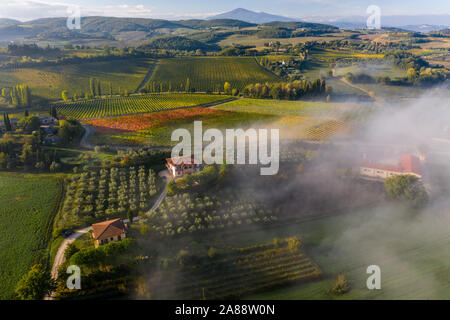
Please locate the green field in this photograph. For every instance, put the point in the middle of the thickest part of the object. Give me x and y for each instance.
(372, 69)
(210, 73)
(48, 82)
(26, 202)
(116, 106)
(160, 135)
(242, 270)
(414, 264)
(309, 119)
(294, 108)
(254, 40)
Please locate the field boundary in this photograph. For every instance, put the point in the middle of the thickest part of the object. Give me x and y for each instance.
(41, 255)
(204, 105)
(147, 76)
(267, 70)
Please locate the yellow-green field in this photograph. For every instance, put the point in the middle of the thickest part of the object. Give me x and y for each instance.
(294, 108)
(117, 106)
(49, 82)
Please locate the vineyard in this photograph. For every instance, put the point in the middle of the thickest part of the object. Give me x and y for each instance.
(244, 270)
(304, 119)
(186, 213)
(147, 121)
(209, 74)
(317, 109)
(116, 106)
(107, 193)
(26, 203)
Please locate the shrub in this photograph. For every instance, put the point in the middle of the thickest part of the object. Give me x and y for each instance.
(341, 286)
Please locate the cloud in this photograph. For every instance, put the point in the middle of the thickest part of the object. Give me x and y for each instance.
(31, 9)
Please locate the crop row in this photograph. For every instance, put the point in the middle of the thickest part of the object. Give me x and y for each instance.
(116, 106)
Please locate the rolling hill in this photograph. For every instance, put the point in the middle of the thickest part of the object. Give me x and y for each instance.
(250, 16)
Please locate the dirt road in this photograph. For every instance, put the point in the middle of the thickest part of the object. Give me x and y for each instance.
(344, 80)
(165, 174)
(59, 258)
(88, 131)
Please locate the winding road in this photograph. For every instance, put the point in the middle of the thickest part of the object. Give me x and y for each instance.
(165, 174)
(59, 257)
(88, 131)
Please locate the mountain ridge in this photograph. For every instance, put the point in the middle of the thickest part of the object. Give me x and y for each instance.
(251, 16)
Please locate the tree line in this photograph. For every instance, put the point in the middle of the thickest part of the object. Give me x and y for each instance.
(287, 90)
(19, 95)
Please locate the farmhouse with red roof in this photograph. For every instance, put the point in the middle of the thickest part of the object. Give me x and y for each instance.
(179, 166)
(108, 231)
(409, 164)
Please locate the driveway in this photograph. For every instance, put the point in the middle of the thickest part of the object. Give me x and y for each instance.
(88, 131)
(59, 258)
(167, 177)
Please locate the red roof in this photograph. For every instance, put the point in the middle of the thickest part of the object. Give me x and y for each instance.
(108, 229)
(411, 164)
(408, 164)
(181, 161)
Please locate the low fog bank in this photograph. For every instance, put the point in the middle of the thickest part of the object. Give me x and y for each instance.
(322, 184)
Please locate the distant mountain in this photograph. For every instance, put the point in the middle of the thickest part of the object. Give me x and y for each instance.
(251, 16)
(214, 23)
(112, 28)
(297, 25)
(4, 21)
(424, 28)
(418, 23)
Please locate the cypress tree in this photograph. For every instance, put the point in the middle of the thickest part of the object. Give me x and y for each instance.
(7, 122)
(26, 96)
(92, 86)
(54, 114)
(14, 98)
(188, 85)
(99, 89)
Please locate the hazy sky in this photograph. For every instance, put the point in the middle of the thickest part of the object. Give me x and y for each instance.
(29, 9)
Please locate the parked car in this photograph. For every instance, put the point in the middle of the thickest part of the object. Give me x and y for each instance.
(67, 233)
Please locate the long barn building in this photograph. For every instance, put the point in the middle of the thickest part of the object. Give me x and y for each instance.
(409, 164)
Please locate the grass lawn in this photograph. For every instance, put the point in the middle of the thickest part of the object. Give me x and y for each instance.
(26, 202)
(80, 158)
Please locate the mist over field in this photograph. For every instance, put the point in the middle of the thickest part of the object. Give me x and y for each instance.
(383, 233)
(98, 116)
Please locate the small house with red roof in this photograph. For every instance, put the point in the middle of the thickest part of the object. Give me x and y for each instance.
(109, 231)
(409, 164)
(179, 166)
